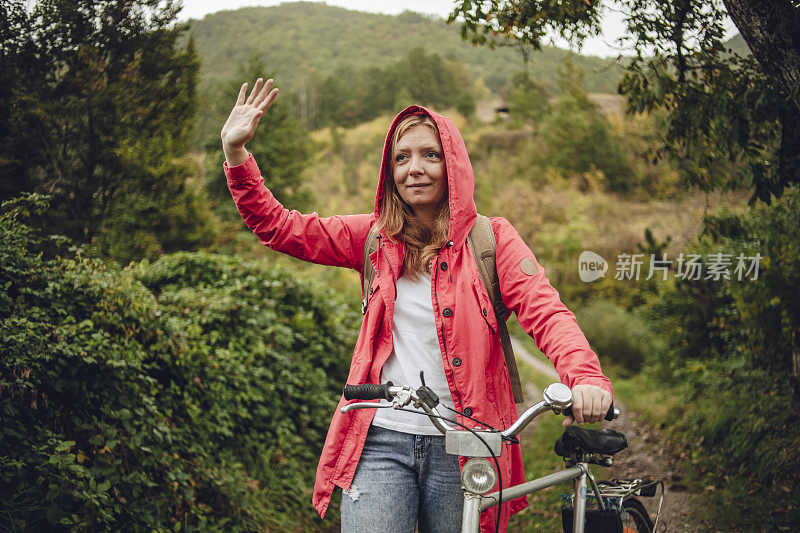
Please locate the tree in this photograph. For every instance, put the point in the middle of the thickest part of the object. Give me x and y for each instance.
(731, 121)
(102, 102)
(433, 81)
(578, 138)
(528, 99)
(281, 146)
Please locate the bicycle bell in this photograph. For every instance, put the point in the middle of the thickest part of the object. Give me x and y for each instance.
(558, 395)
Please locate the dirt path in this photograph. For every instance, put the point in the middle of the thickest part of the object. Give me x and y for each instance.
(643, 457)
(534, 362)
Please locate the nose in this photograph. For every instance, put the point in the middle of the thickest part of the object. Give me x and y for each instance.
(415, 167)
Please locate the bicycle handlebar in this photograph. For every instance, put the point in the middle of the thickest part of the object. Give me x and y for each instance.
(368, 391)
(557, 397)
(612, 413)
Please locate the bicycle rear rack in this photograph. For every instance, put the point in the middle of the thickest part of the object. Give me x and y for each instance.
(619, 489)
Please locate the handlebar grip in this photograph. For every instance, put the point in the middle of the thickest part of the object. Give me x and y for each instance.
(610, 415)
(368, 391)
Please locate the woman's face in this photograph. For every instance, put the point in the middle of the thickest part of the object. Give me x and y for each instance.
(419, 171)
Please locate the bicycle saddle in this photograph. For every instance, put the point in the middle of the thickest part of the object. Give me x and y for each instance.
(602, 441)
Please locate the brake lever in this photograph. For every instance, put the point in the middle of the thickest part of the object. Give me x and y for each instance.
(402, 398)
(366, 405)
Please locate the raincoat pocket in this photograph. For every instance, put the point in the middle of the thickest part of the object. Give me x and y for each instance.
(486, 310)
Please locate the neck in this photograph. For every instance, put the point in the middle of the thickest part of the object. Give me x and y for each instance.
(427, 216)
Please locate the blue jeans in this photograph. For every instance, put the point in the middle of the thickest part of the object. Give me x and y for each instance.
(403, 480)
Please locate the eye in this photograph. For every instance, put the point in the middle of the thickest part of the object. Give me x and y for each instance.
(400, 157)
(433, 154)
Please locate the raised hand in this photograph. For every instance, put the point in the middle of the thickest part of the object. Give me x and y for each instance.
(243, 120)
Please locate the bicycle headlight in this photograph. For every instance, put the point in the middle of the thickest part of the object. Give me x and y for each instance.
(478, 476)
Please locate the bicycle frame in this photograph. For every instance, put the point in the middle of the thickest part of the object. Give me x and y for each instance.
(557, 397)
(474, 504)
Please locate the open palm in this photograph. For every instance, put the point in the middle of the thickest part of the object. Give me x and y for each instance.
(243, 120)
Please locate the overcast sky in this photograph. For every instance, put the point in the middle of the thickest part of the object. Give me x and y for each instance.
(603, 46)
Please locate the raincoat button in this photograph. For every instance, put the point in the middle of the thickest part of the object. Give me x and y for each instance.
(468, 411)
(447, 312)
(450, 244)
(485, 313)
(456, 361)
(444, 266)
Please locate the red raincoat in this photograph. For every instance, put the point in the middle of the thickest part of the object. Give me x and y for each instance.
(465, 321)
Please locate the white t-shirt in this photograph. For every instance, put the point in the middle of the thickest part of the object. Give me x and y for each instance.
(416, 347)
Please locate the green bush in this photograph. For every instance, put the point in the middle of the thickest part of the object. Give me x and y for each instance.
(578, 138)
(730, 319)
(729, 347)
(616, 335)
(739, 432)
(192, 393)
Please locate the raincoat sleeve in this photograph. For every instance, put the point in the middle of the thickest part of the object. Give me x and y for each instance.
(336, 241)
(527, 292)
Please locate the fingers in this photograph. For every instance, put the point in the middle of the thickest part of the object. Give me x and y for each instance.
(605, 404)
(262, 94)
(590, 403)
(268, 100)
(254, 120)
(242, 93)
(589, 407)
(255, 91)
(568, 420)
(594, 414)
(577, 405)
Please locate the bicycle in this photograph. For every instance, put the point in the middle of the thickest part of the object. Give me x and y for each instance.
(612, 506)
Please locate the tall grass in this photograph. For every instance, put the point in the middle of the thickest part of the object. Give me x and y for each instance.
(736, 439)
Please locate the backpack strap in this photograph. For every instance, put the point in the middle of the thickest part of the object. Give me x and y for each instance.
(484, 250)
(367, 271)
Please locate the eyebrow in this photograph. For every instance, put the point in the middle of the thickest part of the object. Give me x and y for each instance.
(429, 147)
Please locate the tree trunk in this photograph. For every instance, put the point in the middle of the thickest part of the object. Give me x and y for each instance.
(796, 363)
(771, 30)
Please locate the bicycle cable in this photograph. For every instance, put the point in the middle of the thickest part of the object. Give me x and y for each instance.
(484, 424)
(496, 462)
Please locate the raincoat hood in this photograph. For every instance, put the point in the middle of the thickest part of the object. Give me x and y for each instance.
(460, 178)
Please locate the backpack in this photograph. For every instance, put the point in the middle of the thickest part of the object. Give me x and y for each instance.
(484, 248)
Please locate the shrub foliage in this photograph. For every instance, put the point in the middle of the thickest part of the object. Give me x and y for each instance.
(192, 393)
(730, 345)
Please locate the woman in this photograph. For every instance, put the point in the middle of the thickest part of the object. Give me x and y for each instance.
(427, 310)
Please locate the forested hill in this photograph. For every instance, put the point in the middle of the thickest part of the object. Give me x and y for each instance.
(738, 45)
(301, 40)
